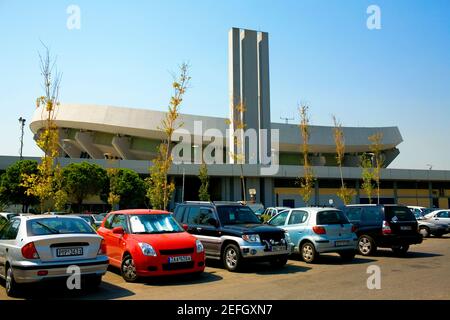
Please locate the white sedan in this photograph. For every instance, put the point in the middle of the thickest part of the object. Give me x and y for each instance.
(41, 247)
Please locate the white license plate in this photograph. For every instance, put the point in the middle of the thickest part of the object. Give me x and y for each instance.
(405, 227)
(180, 259)
(69, 252)
(341, 243)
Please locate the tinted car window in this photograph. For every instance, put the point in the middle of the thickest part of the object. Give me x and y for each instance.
(40, 227)
(108, 222)
(443, 214)
(354, 214)
(192, 215)
(298, 217)
(119, 220)
(331, 217)
(399, 214)
(9, 232)
(373, 215)
(237, 215)
(280, 219)
(179, 211)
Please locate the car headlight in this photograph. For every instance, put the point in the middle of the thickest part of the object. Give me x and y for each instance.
(251, 238)
(199, 246)
(287, 237)
(147, 250)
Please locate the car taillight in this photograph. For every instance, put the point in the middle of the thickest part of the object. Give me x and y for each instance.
(386, 228)
(102, 249)
(29, 251)
(319, 230)
(353, 228)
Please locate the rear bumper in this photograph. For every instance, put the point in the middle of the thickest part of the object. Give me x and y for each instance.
(330, 245)
(27, 272)
(394, 240)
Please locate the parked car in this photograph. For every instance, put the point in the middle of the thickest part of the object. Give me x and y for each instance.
(442, 216)
(257, 208)
(98, 219)
(144, 242)
(86, 217)
(313, 231)
(273, 211)
(231, 232)
(384, 226)
(38, 248)
(420, 210)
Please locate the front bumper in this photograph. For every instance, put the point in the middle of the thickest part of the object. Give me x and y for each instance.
(27, 272)
(160, 266)
(262, 251)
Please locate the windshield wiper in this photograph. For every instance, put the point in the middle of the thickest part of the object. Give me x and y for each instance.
(54, 231)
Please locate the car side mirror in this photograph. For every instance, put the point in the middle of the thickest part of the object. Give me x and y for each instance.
(118, 230)
(185, 226)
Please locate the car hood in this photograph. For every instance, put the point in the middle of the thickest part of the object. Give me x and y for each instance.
(252, 228)
(166, 241)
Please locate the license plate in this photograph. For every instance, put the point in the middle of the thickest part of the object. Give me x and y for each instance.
(278, 248)
(180, 259)
(68, 252)
(341, 243)
(405, 227)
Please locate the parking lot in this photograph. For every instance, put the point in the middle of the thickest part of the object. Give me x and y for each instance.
(422, 274)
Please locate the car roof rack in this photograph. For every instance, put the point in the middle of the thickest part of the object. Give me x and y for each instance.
(200, 202)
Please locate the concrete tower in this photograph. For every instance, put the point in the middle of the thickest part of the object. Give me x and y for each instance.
(248, 74)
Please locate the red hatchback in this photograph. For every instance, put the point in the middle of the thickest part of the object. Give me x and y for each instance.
(145, 243)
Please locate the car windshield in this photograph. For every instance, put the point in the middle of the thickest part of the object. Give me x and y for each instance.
(47, 226)
(98, 217)
(399, 214)
(331, 217)
(236, 215)
(154, 223)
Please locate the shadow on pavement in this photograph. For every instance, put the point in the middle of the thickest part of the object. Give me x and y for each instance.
(261, 268)
(409, 255)
(334, 259)
(182, 279)
(57, 290)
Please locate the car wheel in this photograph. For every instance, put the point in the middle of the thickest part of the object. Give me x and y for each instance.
(366, 245)
(279, 262)
(11, 286)
(424, 231)
(347, 255)
(400, 250)
(128, 269)
(232, 259)
(308, 252)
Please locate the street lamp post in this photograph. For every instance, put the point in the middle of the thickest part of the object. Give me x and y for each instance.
(22, 125)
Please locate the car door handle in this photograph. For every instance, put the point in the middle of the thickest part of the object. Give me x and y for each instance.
(199, 229)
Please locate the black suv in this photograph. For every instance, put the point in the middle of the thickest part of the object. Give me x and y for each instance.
(385, 226)
(231, 232)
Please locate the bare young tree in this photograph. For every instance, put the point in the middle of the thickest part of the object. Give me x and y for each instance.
(160, 189)
(47, 184)
(345, 194)
(307, 181)
(375, 147)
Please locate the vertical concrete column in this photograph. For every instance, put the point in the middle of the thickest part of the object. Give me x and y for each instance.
(269, 194)
(263, 96)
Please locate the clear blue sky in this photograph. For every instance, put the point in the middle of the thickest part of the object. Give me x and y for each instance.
(320, 52)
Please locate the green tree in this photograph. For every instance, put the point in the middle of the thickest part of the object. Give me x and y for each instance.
(367, 175)
(203, 193)
(125, 188)
(159, 188)
(81, 180)
(11, 189)
(308, 180)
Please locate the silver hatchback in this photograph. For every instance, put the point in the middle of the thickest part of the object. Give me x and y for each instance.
(315, 230)
(36, 248)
